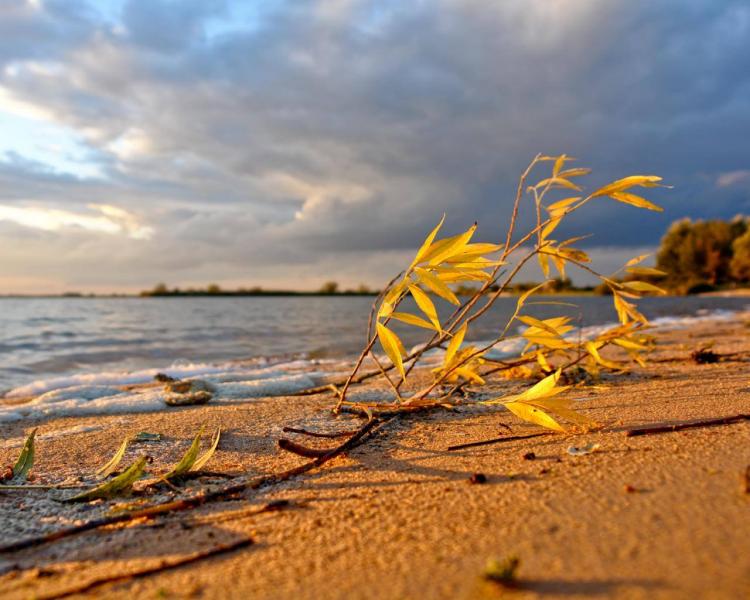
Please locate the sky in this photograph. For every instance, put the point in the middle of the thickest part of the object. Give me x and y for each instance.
(285, 143)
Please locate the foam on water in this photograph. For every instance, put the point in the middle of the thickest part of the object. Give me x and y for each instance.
(102, 393)
(106, 393)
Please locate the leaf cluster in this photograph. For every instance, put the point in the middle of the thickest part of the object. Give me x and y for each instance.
(122, 482)
(443, 265)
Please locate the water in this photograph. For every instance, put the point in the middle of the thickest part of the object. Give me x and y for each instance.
(53, 337)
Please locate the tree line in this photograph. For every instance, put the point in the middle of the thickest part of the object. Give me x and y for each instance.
(696, 256)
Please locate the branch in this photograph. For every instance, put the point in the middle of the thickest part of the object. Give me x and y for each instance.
(163, 565)
(499, 440)
(691, 425)
(198, 499)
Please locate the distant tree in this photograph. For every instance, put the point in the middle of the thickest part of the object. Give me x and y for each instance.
(740, 264)
(329, 287)
(160, 289)
(558, 285)
(465, 290)
(693, 253)
(363, 289)
(213, 289)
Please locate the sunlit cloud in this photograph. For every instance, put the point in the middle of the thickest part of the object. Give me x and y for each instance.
(275, 141)
(109, 220)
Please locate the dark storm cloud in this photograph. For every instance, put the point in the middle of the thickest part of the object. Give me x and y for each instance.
(306, 130)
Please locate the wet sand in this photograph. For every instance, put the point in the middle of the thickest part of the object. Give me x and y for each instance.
(660, 516)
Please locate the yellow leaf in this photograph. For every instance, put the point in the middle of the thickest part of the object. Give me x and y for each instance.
(390, 299)
(392, 347)
(594, 352)
(560, 264)
(412, 320)
(637, 259)
(574, 172)
(525, 296)
(548, 341)
(551, 226)
(455, 344)
(473, 261)
(642, 286)
(629, 344)
(428, 242)
(561, 205)
(627, 182)
(542, 360)
(545, 388)
(645, 271)
(559, 162)
(634, 200)
(558, 181)
(544, 264)
(530, 413)
(533, 322)
(625, 310)
(469, 374)
(393, 294)
(436, 285)
(425, 305)
(562, 407)
(637, 358)
(454, 274)
(449, 247)
(385, 310)
(480, 248)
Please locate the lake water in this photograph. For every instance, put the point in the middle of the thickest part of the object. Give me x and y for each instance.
(53, 337)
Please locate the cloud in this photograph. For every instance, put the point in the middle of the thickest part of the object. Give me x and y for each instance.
(732, 178)
(298, 133)
(109, 220)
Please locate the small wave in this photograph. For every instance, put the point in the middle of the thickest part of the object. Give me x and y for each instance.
(101, 394)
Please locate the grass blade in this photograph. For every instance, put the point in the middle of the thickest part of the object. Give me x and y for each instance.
(201, 462)
(188, 459)
(111, 465)
(120, 484)
(25, 459)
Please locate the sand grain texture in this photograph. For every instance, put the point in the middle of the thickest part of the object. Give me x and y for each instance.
(397, 517)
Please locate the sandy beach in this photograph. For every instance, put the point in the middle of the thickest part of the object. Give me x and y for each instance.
(657, 516)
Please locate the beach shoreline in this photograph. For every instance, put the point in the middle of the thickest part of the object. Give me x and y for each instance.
(659, 516)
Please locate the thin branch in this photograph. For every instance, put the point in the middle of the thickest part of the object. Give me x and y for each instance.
(317, 434)
(681, 426)
(199, 499)
(499, 440)
(163, 565)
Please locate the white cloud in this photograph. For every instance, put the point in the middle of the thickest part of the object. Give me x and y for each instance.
(110, 220)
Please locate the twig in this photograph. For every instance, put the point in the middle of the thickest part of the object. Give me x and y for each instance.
(163, 565)
(512, 438)
(317, 434)
(201, 498)
(300, 450)
(691, 425)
